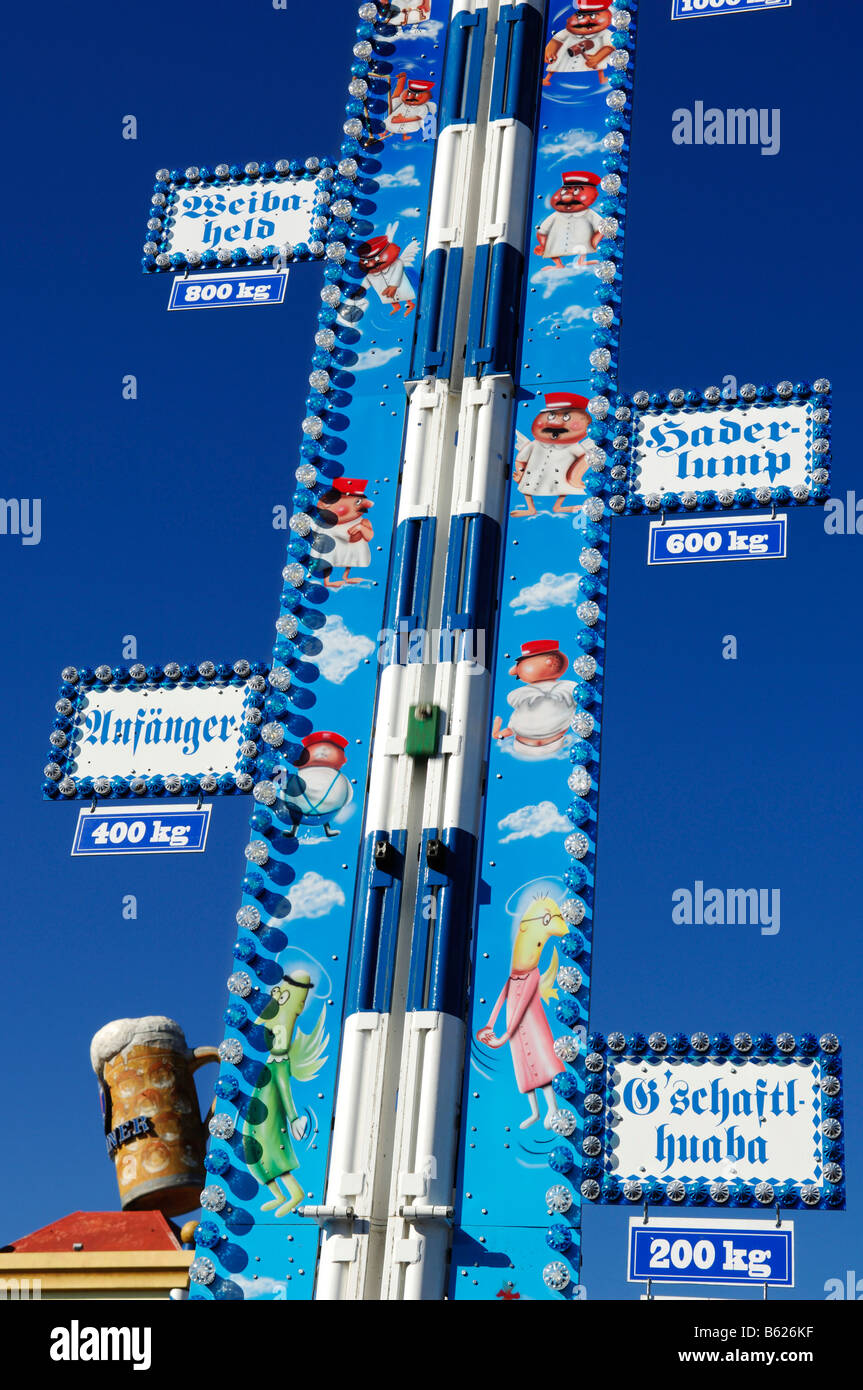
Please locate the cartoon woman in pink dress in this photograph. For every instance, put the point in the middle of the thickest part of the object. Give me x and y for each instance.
(527, 1032)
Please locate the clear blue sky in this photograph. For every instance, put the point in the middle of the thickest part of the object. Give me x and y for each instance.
(156, 521)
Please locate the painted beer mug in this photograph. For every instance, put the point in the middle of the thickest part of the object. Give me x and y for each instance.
(153, 1126)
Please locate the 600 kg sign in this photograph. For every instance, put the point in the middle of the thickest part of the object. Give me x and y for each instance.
(717, 538)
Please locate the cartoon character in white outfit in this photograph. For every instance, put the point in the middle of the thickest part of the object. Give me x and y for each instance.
(407, 12)
(553, 463)
(572, 228)
(583, 45)
(543, 707)
(319, 790)
(384, 265)
(342, 531)
(412, 110)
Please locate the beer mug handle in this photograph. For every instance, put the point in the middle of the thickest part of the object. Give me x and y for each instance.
(200, 1056)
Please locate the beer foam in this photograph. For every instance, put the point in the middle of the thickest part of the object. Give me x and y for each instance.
(124, 1032)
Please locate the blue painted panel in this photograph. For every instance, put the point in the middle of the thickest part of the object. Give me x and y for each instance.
(319, 881)
(515, 89)
(493, 331)
(463, 69)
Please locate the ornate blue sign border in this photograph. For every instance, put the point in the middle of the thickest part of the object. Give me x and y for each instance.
(601, 1102)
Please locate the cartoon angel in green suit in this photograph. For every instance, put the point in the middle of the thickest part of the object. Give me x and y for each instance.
(272, 1119)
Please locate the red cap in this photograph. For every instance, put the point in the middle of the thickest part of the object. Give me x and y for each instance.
(593, 4)
(370, 248)
(538, 648)
(580, 176)
(565, 400)
(324, 736)
(415, 85)
(351, 487)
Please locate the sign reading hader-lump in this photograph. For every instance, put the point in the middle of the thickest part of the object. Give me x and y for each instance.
(690, 451)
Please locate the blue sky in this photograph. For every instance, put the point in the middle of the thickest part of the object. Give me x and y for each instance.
(156, 521)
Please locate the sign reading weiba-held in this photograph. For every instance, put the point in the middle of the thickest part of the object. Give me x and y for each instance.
(697, 9)
(148, 733)
(225, 290)
(717, 538)
(229, 216)
(137, 831)
(239, 215)
(698, 1121)
(721, 450)
(684, 1250)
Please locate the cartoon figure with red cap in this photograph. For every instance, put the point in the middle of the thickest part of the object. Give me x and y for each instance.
(544, 704)
(319, 789)
(383, 264)
(409, 12)
(412, 110)
(583, 45)
(342, 531)
(553, 463)
(572, 228)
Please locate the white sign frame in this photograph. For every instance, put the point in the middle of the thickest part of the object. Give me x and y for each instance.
(242, 215)
(721, 448)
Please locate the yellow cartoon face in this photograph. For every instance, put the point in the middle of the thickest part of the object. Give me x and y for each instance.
(541, 920)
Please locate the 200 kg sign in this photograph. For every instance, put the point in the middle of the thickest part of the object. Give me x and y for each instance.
(704, 1252)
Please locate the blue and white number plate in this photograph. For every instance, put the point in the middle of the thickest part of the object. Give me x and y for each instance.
(227, 288)
(697, 9)
(134, 830)
(691, 1251)
(717, 538)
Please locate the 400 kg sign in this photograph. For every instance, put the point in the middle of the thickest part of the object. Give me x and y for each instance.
(134, 831)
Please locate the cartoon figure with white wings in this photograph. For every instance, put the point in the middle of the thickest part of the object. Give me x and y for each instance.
(272, 1119)
(384, 267)
(412, 111)
(406, 12)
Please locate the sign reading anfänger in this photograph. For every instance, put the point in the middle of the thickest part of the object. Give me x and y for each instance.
(143, 733)
(152, 732)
